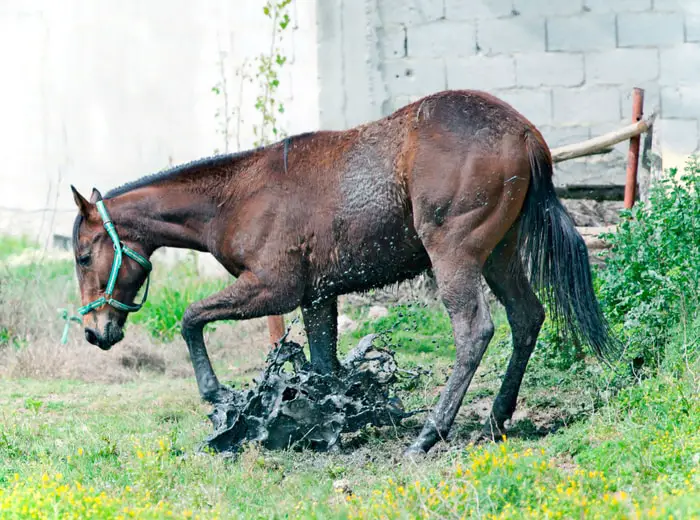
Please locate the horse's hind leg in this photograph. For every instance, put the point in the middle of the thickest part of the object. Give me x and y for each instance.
(459, 281)
(461, 219)
(321, 324)
(505, 275)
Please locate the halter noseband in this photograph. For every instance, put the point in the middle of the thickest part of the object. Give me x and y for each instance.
(119, 250)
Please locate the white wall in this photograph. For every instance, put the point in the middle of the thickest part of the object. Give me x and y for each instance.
(569, 65)
(102, 92)
(98, 92)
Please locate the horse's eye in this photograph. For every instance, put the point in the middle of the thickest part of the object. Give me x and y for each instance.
(84, 260)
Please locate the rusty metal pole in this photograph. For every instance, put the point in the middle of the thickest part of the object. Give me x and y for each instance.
(633, 154)
(275, 324)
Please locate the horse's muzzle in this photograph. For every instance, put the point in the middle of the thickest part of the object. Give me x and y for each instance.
(113, 334)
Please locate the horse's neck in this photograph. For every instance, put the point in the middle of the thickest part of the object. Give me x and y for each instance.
(164, 216)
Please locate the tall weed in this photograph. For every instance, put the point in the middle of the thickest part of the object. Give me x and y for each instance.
(651, 278)
(30, 296)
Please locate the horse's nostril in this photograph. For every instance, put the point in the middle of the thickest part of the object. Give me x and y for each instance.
(91, 336)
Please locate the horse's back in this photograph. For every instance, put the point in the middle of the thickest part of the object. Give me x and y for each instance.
(392, 179)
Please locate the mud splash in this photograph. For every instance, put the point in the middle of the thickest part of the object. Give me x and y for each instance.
(292, 406)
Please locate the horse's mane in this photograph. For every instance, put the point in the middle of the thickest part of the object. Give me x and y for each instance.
(206, 162)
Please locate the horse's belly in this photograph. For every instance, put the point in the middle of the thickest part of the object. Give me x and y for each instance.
(372, 253)
(374, 241)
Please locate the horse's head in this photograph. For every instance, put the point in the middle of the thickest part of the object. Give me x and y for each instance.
(111, 268)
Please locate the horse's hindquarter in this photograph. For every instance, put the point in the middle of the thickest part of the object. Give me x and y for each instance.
(470, 172)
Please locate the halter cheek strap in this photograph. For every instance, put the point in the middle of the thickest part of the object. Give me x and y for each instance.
(119, 251)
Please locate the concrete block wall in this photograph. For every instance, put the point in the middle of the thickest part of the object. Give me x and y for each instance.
(568, 65)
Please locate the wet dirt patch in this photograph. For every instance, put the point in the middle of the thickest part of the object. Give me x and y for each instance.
(140, 359)
(292, 406)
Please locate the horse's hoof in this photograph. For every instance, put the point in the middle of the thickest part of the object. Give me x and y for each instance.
(221, 395)
(487, 436)
(414, 453)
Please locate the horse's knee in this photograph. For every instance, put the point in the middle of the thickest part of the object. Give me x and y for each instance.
(483, 328)
(535, 319)
(484, 332)
(189, 322)
(472, 340)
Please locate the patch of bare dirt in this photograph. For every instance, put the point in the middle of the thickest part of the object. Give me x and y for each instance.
(141, 359)
(241, 348)
(592, 213)
(534, 417)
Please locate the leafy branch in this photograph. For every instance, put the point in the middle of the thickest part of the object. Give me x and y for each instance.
(267, 75)
(266, 68)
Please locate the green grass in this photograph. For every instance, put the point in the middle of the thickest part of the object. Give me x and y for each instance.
(135, 446)
(419, 328)
(105, 450)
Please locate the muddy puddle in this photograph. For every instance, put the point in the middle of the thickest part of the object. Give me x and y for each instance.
(291, 406)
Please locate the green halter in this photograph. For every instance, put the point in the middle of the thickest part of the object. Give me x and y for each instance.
(119, 250)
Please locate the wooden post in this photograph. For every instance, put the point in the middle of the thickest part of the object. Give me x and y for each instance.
(275, 324)
(633, 154)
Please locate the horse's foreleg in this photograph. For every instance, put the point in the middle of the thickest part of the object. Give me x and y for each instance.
(321, 324)
(460, 288)
(525, 314)
(249, 297)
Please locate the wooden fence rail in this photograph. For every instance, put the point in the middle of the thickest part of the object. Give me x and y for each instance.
(603, 143)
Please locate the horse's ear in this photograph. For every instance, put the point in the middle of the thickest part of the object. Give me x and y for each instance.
(81, 202)
(96, 196)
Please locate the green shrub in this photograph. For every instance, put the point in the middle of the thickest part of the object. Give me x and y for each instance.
(170, 294)
(11, 245)
(650, 281)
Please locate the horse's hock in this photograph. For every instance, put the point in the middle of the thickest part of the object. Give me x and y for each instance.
(293, 406)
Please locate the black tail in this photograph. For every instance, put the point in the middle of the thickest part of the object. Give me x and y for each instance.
(558, 258)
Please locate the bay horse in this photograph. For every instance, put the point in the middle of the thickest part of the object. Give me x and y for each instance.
(458, 182)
